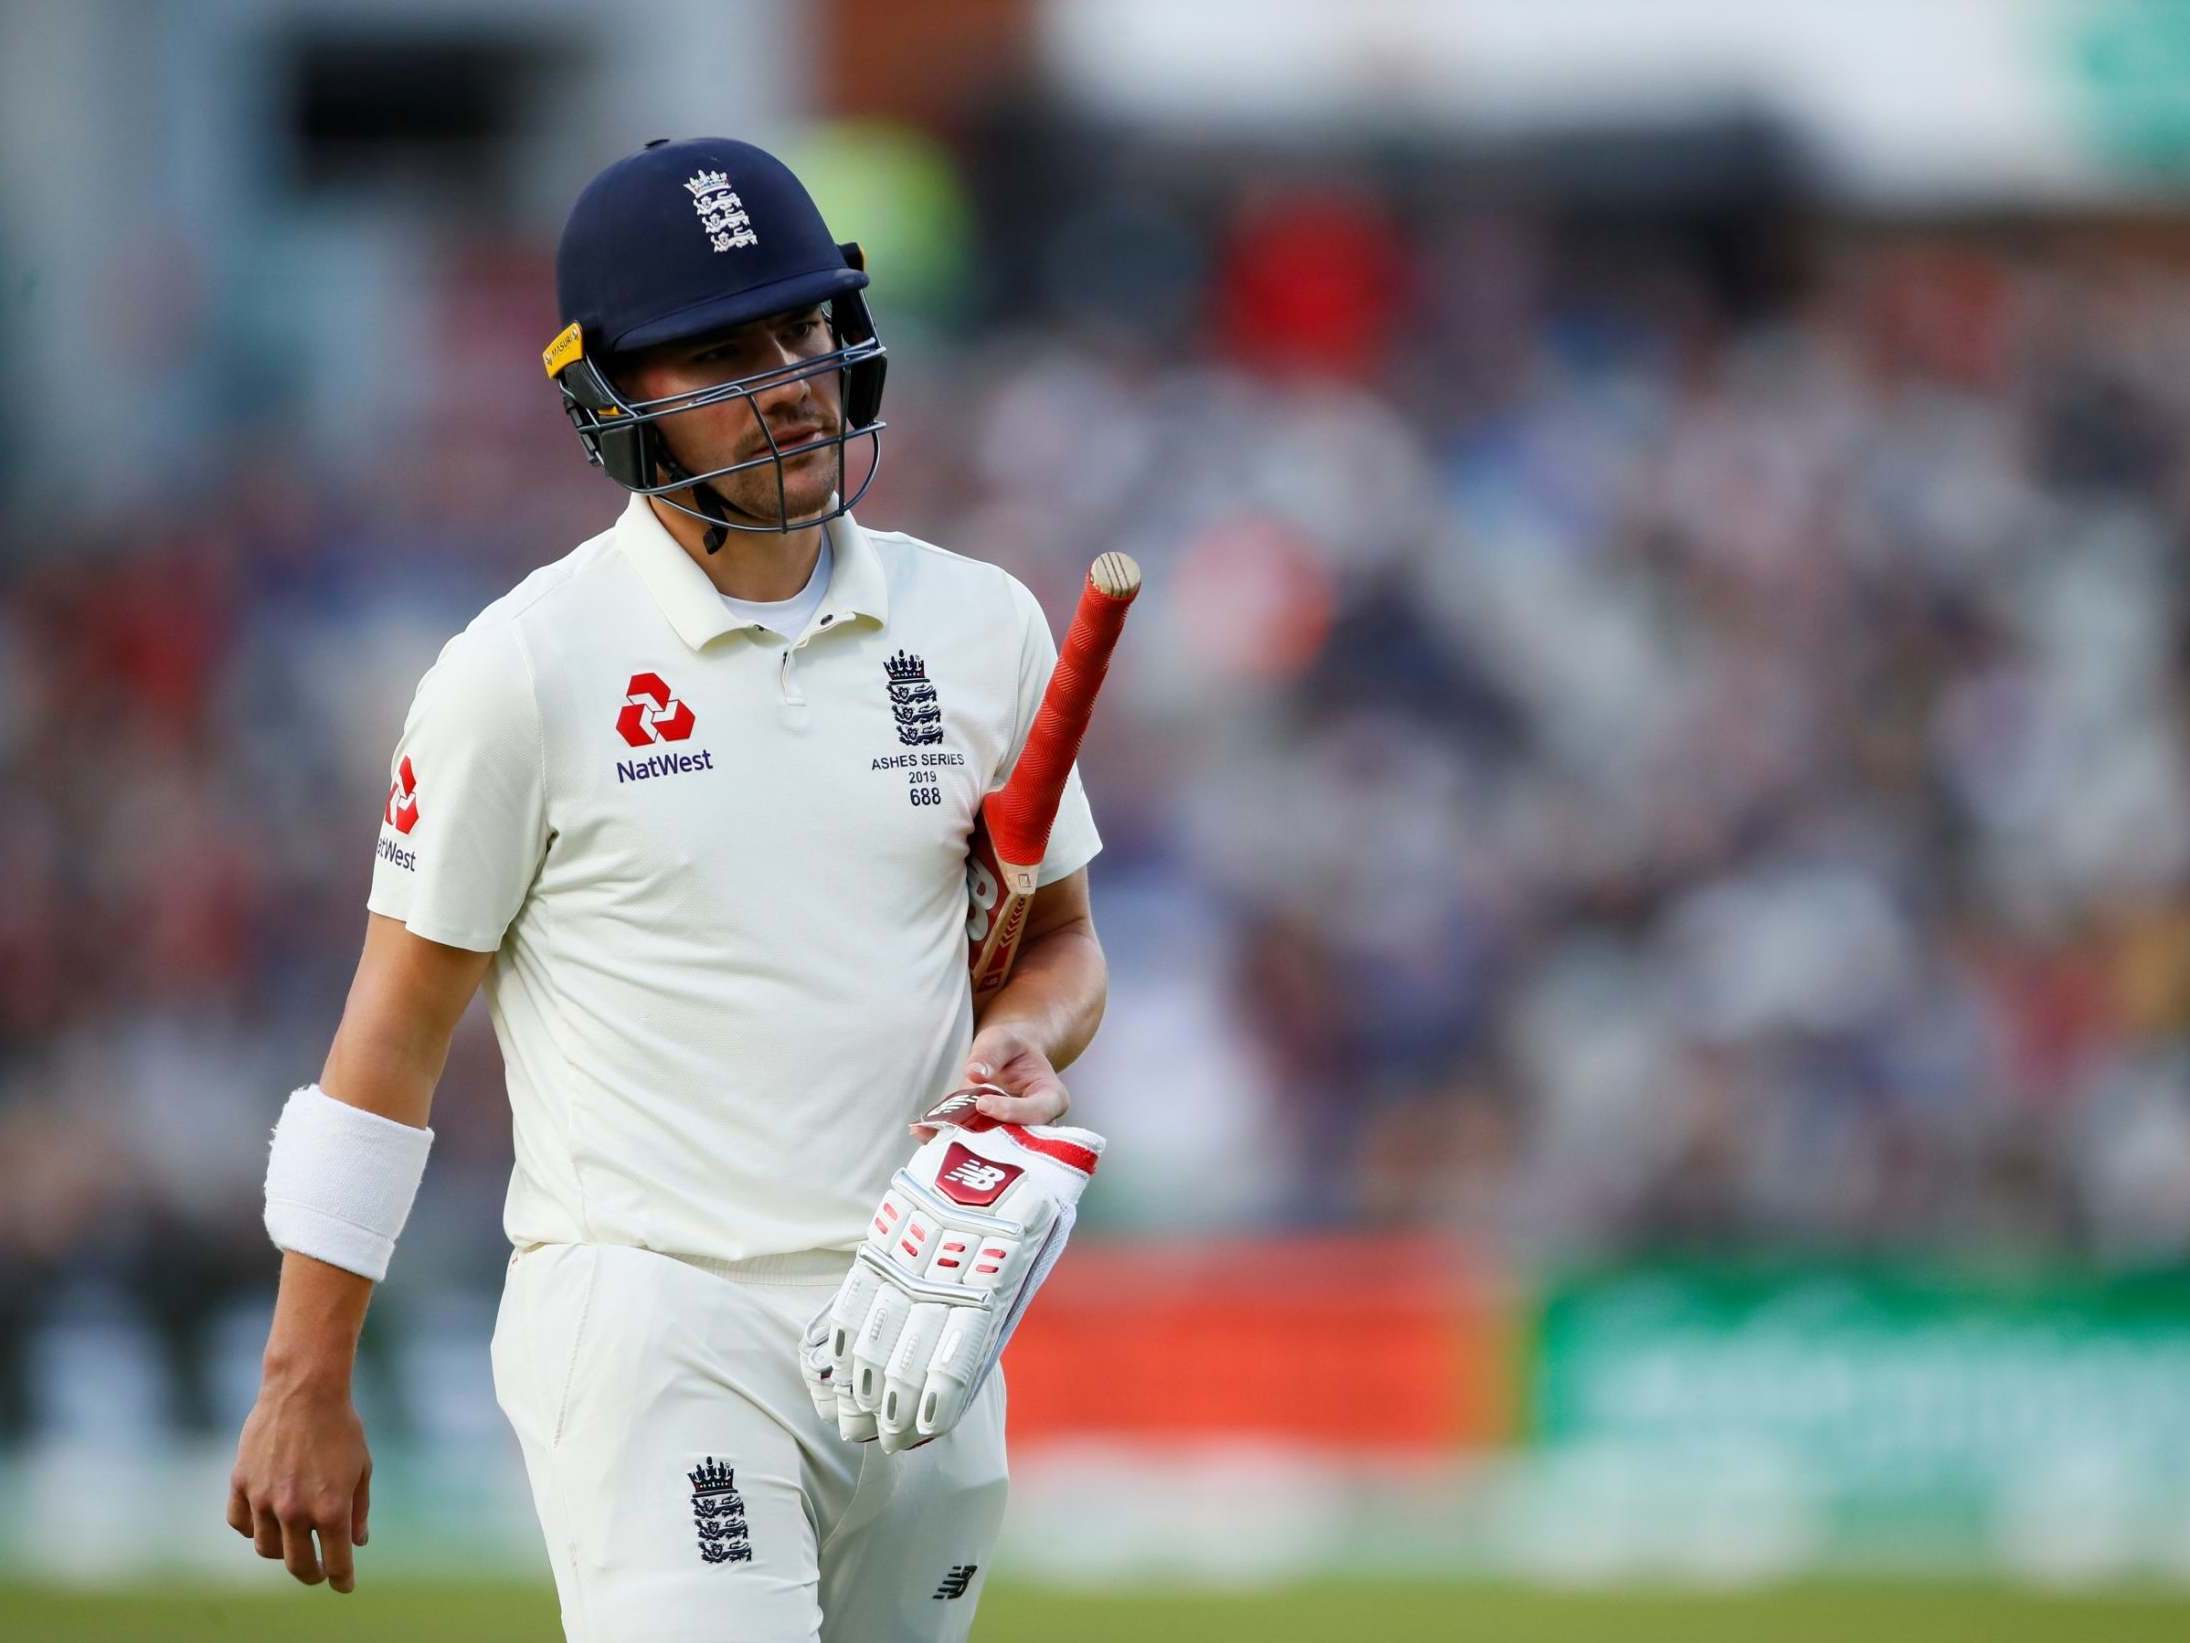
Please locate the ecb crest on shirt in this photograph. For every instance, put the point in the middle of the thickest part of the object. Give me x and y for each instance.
(913, 701)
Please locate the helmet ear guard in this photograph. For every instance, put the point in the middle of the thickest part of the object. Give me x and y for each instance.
(854, 324)
(625, 454)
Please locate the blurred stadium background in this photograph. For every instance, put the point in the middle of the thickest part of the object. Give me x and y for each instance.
(1648, 812)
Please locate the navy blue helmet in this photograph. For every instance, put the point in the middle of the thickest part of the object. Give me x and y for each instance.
(680, 241)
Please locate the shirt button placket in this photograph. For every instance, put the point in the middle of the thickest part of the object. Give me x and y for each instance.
(788, 679)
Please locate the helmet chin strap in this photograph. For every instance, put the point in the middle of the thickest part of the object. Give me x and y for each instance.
(710, 501)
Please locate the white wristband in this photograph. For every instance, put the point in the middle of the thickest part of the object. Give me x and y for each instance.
(340, 1180)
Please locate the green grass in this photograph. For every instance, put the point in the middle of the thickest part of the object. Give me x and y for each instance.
(1323, 1613)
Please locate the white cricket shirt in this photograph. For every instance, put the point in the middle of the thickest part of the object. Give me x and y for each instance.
(722, 874)
(788, 617)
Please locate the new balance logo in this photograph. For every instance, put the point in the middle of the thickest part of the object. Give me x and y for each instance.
(980, 1177)
(955, 1583)
(967, 1178)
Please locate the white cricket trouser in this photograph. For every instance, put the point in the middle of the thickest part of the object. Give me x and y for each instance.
(689, 1491)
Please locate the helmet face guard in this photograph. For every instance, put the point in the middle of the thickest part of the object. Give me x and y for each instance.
(622, 436)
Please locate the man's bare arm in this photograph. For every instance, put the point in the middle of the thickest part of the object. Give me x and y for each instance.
(388, 1052)
(1047, 1013)
(405, 1001)
(302, 1464)
(1061, 982)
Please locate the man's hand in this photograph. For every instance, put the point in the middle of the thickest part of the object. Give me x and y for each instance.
(301, 1466)
(302, 1469)
(1027, 1088)
(962, 1240)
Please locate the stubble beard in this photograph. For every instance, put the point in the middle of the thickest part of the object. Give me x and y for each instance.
(808, 483)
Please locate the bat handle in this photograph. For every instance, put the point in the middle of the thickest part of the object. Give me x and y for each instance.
(1020, 815)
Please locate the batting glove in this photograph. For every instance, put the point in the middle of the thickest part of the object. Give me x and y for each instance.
(967, 1232)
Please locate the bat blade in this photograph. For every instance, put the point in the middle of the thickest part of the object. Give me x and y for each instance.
(1011, 835)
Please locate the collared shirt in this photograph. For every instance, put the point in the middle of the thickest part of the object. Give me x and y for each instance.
(722, 873)
(787, 618)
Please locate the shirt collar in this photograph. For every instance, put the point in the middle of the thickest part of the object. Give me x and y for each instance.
(694, 606)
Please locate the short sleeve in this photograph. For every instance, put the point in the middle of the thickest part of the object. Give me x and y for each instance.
(464, 826)
(1073, 841)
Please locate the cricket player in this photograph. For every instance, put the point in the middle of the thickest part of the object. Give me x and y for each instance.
(693, 803)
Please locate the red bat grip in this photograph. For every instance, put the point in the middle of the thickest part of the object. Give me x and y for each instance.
(1020, 813)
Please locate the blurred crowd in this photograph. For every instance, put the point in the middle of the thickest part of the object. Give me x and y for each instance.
(1661, 760)
(1610, 758)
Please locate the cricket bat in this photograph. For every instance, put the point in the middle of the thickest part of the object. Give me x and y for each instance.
(1011, 834)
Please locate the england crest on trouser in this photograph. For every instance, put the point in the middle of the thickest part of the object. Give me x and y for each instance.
(718, 1512)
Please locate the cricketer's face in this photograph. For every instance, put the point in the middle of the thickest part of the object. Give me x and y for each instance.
(715, 436)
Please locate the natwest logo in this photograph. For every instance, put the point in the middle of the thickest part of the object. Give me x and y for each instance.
(650, 714)
(401, 810)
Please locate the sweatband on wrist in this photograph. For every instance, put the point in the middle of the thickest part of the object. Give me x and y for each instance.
(340, 1180)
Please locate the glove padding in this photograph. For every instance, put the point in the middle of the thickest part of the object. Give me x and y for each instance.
(965, 1235)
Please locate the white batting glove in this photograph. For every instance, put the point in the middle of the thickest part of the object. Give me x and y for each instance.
(967, 1232)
